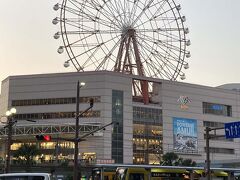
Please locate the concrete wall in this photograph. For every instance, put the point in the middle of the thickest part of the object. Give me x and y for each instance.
(171, 91)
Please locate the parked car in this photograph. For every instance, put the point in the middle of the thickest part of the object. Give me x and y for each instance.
(25, 176)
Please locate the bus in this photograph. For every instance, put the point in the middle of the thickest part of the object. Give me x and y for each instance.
(156, 172)
(166, 174)
(151, 174)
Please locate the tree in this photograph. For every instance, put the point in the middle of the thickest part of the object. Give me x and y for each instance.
(26, 153)
(169, 159)
(172, 159)
(188, 162)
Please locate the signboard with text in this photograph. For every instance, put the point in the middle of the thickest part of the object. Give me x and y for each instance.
(232, 130)
(185, 135)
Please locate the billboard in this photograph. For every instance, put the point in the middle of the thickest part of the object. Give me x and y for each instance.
(185, 135)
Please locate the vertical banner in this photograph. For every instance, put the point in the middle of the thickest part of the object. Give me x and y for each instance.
(185, 135)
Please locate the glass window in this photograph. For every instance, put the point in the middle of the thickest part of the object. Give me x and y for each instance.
(117, 134)
(136, 176)
(221, 150)
(55, 115)
(71, 100)
(217, 109)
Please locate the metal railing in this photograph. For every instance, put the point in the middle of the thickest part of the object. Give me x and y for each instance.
(48, 129)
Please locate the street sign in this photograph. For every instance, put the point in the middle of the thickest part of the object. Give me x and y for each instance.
(232, 130)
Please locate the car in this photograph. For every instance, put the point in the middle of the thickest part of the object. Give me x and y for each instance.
(25, 176)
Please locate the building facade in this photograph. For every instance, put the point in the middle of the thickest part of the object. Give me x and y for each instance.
(174, 120)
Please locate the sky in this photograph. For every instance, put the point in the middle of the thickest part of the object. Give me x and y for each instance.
(27, 45)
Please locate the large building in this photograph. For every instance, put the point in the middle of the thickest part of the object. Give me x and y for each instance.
(174, 119)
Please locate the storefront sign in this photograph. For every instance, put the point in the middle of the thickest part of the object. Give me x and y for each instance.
(184, 101)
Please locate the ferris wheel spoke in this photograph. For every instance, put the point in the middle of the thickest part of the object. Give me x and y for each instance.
(93, 32)
(160, 69)
(133, 11)
(157, 69)
(82, 14)
(128, 7)
(165, 12)
(71, 10)
(74, 25)
(158, 9)
(86, 63)
(122, 9)
(119, 8)
(72, 43)
(71, 24)
(109, 54)
(154, 66)
(158, 54)
(167, 62)
(145, 49)
(160, 3)
(168, 35)
(157, 20)
(142, 12)
(94, 49)
(170, 58)
(159, 30)
(89, 15)
(113, 9)
(87, 6)
(165, 30)
(158, 43)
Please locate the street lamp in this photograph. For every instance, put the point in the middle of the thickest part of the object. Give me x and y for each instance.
(10, 122)
(79, 85)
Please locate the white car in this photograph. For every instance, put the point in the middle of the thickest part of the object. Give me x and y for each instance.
(25, 176)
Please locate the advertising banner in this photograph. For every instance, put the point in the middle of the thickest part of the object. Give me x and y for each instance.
(185, 135)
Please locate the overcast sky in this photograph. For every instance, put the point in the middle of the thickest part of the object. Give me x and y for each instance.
(27, 45)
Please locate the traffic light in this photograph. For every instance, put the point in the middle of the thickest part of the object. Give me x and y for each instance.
(91, 102)
(43, 137)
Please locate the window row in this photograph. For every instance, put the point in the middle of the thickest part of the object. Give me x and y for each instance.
(149, 115)
(217, 109)
(220, 150)
(213, 124)
(48, 101)
(56, 115)
(142, 157)
(147, 130)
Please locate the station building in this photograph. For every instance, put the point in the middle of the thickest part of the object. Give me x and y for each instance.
(174, 120)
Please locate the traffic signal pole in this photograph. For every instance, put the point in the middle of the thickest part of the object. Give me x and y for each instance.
(208, 153)
(208, 137)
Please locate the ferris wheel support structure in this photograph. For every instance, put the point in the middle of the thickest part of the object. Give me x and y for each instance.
(127, 64)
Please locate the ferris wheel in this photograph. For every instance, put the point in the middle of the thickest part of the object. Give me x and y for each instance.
(140, 37)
